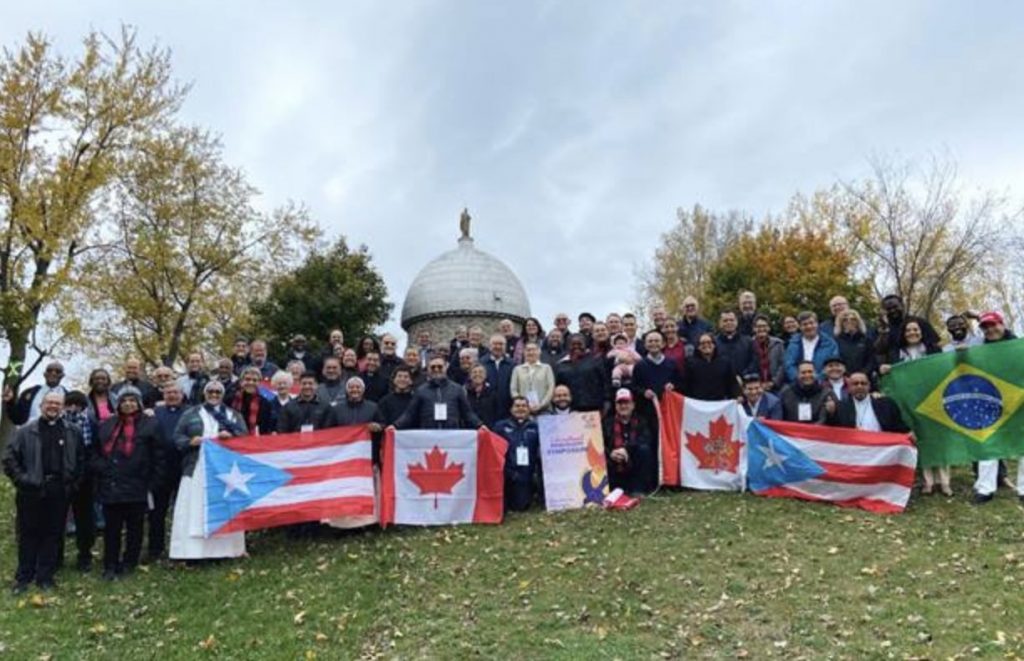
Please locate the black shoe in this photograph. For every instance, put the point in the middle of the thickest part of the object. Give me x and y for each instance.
(109, 574)
(46, 585)
(981, 498)
(85, 565)
(20, 587)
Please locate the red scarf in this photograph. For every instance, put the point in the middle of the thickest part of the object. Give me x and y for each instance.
(124, 431)
(621, 433)
(764, 364)
(252, 416)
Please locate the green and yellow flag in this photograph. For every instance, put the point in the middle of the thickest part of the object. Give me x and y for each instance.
(963, 405)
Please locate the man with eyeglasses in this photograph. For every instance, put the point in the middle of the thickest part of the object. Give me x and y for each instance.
(862, 411)
(691, 326)
(389, 358)
(45, 459)
(439, 403)
(28, 405)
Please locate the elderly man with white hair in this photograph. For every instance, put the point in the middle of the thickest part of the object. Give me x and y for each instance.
(354, 409)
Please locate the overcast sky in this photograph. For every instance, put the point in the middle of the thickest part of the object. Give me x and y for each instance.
(572, 130)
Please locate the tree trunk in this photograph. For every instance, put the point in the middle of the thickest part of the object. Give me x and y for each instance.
(19, 349)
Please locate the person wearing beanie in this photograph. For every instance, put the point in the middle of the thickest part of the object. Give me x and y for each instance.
(125, 462)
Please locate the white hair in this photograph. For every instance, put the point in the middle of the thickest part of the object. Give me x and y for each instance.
(282, 377)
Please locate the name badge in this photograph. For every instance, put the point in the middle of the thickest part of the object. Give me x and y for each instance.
(803, 412)
(306, 428)
(522, 456)
(440, 412)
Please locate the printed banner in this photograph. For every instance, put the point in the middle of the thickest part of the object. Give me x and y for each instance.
(572, 458)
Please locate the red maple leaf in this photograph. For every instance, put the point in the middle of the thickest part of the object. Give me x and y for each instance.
(719, 452)
(436, 477)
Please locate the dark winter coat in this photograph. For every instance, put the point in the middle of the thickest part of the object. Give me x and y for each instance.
(120, 478)
(420, 414)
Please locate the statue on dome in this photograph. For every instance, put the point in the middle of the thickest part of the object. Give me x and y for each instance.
(464, 223)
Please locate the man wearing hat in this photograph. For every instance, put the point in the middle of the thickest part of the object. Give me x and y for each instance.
(994, 329)
(628, 446)
(758, 403)
(835, 377)
(298, 351)
(29, 403)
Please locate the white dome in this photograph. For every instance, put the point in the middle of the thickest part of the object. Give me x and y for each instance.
(465, 282)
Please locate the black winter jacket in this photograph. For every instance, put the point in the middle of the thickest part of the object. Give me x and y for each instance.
(127, 479)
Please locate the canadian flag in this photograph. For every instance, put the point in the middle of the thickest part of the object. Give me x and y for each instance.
(703, 444)
(439, 477)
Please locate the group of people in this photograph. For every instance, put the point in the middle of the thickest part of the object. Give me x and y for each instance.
(124, 452)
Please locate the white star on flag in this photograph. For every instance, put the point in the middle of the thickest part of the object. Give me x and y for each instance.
(771, 457)
(235, 480)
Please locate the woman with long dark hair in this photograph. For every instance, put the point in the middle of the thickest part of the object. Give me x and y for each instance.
(532, 332)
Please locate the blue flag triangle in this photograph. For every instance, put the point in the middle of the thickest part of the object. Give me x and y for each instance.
(773, 461)
(234, 482)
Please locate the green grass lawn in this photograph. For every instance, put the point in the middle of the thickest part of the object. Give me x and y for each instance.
(685, 575)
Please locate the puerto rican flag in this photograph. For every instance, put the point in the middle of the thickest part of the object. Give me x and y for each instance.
(703, 443)
(439, 477)
(847, 467)
(255, 482)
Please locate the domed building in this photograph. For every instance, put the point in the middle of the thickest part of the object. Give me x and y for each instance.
(463, 287)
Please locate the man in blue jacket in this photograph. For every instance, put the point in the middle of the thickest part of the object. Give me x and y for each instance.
(758, 403)
(810, 346)
(523, 478)
(499, 371)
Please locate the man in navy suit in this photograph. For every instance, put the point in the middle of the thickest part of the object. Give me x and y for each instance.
(758, 403)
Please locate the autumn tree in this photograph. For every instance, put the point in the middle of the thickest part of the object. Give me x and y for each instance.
(915, 233)
(189, 249)
(791, 268)
(64, 128)
(336, 288)
(686, 254)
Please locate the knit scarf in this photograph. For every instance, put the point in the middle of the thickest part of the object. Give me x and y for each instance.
(123, 436)
(621, 435)
(763, 362)
(250, 412)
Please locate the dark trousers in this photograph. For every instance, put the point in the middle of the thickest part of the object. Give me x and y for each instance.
(40, 524)
(85, 520)
(636, 475)
(156, 521)
(127, 517)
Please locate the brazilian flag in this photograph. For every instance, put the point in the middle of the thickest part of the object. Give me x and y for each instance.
(963, 405)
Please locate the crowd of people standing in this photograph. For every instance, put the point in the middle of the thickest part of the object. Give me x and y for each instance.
(120, 453)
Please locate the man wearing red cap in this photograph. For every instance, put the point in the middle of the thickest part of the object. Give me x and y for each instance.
(994, 329)
(628, 446)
